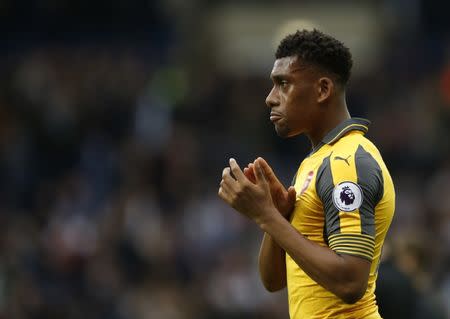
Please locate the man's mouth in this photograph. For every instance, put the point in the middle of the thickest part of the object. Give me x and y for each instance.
(274, 116)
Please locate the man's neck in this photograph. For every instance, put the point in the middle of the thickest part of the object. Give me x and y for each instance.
(328, 122)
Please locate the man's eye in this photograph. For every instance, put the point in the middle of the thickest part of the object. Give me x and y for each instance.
(283, 82)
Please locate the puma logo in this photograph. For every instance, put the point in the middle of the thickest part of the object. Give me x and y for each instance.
(343, 159)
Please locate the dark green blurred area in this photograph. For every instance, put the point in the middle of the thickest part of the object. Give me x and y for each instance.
(117, 118)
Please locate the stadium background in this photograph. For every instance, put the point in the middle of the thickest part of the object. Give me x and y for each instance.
(117, 117)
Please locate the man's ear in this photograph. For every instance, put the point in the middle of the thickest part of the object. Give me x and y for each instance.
(325, 89)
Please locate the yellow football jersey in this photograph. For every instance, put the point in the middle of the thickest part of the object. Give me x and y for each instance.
(345, 201)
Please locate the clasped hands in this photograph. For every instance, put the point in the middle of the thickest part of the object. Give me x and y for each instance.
(256, 192)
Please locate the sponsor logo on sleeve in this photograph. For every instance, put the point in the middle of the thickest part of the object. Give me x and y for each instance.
(347, 196)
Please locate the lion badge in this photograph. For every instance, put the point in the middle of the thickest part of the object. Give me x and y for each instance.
(347, 196)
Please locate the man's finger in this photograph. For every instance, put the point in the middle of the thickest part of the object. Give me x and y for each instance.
(226, 187)
(250, 173)
(237, 172)
(226, 176)
(268, 171)
(260, 176)
(224, 194)
(292, 195)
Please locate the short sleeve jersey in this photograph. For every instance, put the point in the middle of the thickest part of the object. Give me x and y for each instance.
(345, 201)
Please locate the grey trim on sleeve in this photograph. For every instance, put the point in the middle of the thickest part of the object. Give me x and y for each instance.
(370, 179)
(324, 189)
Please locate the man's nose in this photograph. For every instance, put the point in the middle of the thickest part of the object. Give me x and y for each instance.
(272, 99)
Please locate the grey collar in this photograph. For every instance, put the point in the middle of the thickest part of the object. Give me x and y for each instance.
(354, 123)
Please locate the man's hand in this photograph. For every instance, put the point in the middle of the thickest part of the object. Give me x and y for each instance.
(283, 199)
(250, 198)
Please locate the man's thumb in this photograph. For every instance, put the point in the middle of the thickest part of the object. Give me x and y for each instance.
(291, 194)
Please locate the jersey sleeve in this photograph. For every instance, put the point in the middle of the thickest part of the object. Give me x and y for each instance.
(350, 186)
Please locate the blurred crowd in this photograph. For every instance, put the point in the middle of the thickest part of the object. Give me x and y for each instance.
(110, 159)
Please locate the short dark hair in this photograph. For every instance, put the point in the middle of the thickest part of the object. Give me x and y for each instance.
(318, 49)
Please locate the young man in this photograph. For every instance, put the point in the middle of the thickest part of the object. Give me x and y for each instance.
(323, 235)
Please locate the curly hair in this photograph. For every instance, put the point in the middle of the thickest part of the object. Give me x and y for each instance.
(318, 49)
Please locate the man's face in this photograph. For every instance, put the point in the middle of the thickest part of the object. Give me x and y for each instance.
(293, 99)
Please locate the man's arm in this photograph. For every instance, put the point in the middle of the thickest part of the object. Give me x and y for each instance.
(272, 264)
(346, 276)
(272, 258)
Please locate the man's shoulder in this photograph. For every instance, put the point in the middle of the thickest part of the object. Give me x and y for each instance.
(356, 149)
(351, 142)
